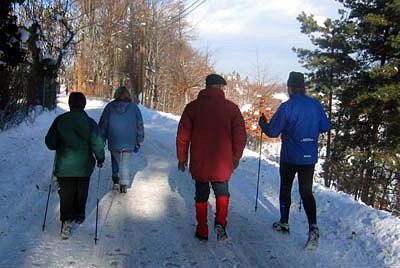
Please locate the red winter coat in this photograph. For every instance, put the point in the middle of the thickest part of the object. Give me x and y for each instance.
(214, 129)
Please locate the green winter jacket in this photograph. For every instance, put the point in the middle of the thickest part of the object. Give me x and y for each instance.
(76, 138)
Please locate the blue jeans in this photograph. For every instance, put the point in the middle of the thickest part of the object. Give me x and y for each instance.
(121, 162)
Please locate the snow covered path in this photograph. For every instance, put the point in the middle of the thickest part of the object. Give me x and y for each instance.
(153, 224)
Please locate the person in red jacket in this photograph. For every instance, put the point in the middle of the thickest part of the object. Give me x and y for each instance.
(213, 127)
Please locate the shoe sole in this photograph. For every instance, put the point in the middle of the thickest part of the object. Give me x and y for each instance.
(282, 232)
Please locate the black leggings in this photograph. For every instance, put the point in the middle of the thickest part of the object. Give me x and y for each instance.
(203, 190)
(305, 174)
(73, 195)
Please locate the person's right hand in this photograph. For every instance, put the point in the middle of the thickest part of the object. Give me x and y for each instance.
(262, 120)
(182, 166)
(235, 164)
(100, 163)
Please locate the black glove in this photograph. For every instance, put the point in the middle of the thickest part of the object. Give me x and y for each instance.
(235, 164)
(262, 120)
(182, 166)
(100, 163)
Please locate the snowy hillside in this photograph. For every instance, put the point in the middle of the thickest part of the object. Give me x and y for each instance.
(153, 225)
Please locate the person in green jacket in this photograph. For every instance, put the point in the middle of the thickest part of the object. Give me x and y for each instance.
(78, 144)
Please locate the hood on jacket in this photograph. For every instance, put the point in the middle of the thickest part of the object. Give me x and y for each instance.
(120, 106)
(120, 91)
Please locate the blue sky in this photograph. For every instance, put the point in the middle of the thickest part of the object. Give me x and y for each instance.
(236, 31)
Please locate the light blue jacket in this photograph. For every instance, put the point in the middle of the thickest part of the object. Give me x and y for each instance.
(300, 120)
(121, 124)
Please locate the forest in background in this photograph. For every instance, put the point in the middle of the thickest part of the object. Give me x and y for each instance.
(94, 46)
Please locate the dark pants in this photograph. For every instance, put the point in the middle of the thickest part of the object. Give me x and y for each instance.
(73, 196)
(203, 190)
(305, 174)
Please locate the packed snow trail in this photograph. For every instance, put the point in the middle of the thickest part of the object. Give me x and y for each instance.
(153, 224)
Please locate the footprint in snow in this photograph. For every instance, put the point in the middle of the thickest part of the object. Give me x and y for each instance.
(114, 263)
(170, 264)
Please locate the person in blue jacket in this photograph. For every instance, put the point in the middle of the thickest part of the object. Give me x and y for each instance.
(299, 121)
(121, 124)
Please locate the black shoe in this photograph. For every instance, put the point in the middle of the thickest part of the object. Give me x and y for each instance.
(313, 238)
(66, 227)
(221, 233)
(200, 237)
(281, 227)
(115, 187)
(122, 189)
(115, 180)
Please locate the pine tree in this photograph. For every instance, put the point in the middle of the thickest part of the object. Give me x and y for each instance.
(11, 53)
(357, 59)
(330, 65)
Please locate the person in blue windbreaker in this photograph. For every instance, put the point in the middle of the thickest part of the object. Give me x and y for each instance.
(121, 124)
(299, 121)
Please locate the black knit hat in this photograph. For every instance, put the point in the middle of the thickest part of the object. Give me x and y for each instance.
(77, 100)
(296, 80)
(215, 79)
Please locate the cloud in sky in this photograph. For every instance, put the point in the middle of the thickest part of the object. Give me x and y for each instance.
(238, 30)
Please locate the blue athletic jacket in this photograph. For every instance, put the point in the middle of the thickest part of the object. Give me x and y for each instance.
(121, 124)
(300, 120)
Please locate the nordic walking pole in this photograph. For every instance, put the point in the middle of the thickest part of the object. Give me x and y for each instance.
(48, 195)
(97, 207)
(258, 176)
(47, 206)
(259, 160)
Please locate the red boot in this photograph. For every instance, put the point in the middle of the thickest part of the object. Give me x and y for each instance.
(201, 215)
(222, 210)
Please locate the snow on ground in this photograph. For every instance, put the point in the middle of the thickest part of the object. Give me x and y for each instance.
(153, 224)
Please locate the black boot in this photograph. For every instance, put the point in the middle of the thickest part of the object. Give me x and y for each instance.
(221, 232)
(281, 227)
(313, 238)
(123, 189)
(115, 183)
(66, 227)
